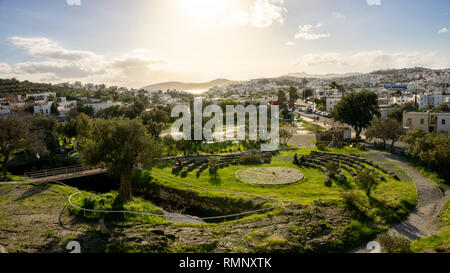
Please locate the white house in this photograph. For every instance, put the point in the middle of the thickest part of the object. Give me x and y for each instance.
(104, 105)
(39, 98)
(331, 103)
(436, 122)
(64, 105)
(45, 109)
(429, 99)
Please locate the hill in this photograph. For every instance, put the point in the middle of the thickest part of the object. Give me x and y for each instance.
(186, 86)
(326, 76)
(13, 87)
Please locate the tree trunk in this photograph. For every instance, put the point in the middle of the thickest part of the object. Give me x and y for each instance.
(358, 133)
(4, 170)
(392, 146)
(5, 160)
(384, 144)
(125, 190)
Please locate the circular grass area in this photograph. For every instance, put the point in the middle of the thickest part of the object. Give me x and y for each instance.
(269, 175)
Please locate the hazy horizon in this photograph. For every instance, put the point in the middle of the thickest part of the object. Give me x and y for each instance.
(137, 43)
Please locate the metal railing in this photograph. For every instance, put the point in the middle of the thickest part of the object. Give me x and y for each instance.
(57, 171)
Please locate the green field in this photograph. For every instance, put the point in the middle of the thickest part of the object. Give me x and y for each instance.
(310, 189)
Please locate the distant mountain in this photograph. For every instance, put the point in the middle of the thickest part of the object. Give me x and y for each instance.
(186, 86)
(326, 76)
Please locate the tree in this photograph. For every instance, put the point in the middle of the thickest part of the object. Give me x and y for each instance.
(394, 131)
(308, 92)
(293, 96)
(429, 150)
(16, 136)
(376, 130)
(357, 110)
(88, 110)
(398, 113)
(282, 99)
(120, 144)
(385, 129)
(54, 109)
(46, 127)
(83, 127)
(285, 135)
(366, 181)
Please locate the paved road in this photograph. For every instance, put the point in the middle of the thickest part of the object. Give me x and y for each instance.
(423, 220)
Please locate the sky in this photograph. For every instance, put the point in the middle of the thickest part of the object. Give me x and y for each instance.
(134, 43)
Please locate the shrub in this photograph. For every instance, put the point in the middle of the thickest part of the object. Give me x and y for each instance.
(394, 243)
(250, 159)
(322, 145)
(351, 198)
(333, 168)
(362, 147)
(89, 201)
(366, 181)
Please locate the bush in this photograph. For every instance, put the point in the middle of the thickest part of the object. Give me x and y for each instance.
(394, 243)
(333, 168)
(322, 145)
(362, 147)
(250, 159)
(351, 198)
(89, 201)
(366, 181)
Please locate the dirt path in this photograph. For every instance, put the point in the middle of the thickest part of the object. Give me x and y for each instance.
(422, 221)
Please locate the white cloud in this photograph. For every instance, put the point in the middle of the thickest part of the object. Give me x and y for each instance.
(51, 62)
(5, 69)
(374, 2)
(370, 60)
(73, 2)
(44, 48)
(290, 43)
(263, 13)
(307, 32)
(443, 30)
(338, 15)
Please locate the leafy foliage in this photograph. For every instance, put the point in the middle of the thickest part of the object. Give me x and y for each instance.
(366, 181)
(357, 110)
(120, 144)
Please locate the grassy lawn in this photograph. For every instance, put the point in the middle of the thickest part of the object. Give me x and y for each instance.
(439, 242)
(110, 202)
(309, 126)
(310, 189)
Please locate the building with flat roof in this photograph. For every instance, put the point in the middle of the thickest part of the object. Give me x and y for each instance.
(433, 122)
(331, 103)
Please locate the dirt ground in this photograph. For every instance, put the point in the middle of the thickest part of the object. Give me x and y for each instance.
(35, 219)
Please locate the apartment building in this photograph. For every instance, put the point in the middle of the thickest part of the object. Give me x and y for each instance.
(429, 99)
(331, 103)
(434, 122)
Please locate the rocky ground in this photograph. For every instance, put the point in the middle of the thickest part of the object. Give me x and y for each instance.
(36, 219)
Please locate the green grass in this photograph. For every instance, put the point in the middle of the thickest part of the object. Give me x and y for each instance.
(439, 242)
(431, 175)
(310, 189)
(309, 126)
(110, 202)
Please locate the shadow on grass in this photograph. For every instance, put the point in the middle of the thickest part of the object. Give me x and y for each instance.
(215, 179)
(36, 189)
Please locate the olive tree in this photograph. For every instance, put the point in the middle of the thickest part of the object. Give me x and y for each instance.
(119, 145)
(366, 181)
(17, 135)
